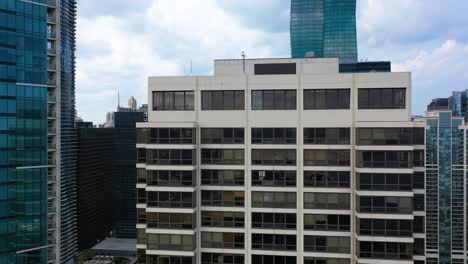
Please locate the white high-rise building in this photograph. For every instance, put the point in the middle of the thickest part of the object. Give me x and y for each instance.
(281, 161)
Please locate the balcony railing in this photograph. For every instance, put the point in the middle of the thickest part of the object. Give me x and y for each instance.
(51, 82)
(51, 131)
(51, 146)
(51, 35)
(51, 50)
(51, 99)
(50, 19)
(52, 3)
(51, 115)
(51, 66)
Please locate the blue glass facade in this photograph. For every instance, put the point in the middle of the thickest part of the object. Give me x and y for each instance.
(68, 136)
(23, 132)
(325, 27)
(445, 186)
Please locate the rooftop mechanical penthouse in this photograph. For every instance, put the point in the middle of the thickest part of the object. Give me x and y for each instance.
(281, 161)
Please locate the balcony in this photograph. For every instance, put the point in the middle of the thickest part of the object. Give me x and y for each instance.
(51, 66)
(51, 35)
(51, 51)
(51, 146)
(51, 99)
(51, 3)
(51, 131)
(52, 162)
(51, 19)
(51, 115)
(51, 194)
(51, 82)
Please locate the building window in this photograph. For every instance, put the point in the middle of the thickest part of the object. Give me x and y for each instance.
(382, 98)
(274, 100)
(222, 240)
(223, 156)
(274, 199)
(222, 177)
(327, 244)
(418, 224)
(390, 136)
(141, 176)
(169, 260)
(173, 101)
(384, 159)
(222, 135)
(385, 227)
(329, 179)
(141, 216)
(267, 259)
(223, 100)
(222, 198)
(141, 155)
(419, 202)
(171, 199)
(327, 222)
(171, 242)
(166, 136)
(278, 157)
(320, 99)
(171, 157)
(171, 220)
(385, 204)
(385, 250)
(384, 182)
(419, 245)
(418, 158)
(274, 68)
(273, 221)
(326, 261)
(141, 196)
(171, 178)
(273, 135)
(273, 242)
(223, 219)
(327, 136)
(273, 178)
(418, 180)
(218, 258)
(332, 201)
(326, 157)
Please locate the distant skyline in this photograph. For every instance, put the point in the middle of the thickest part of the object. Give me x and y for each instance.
(122, 42)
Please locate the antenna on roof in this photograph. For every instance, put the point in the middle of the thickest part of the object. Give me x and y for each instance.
(118, 100)
(243, 61)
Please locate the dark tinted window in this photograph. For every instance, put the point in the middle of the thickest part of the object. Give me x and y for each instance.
(382, 98)
(273, 135)
(326, 157)
(274, 100)
(285, 157)
(222, 135)
(328, 136)
(327, 99)
(275, 68)
(223, 100)
(173, 101)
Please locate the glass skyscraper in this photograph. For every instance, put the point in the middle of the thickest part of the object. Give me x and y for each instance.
(36, 95)
(445, 187)
(325, 27)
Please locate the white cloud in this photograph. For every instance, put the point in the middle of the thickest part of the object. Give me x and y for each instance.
(436, 73)
(113, 56)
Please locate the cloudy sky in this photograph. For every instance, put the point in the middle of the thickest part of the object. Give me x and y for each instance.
(121, 42)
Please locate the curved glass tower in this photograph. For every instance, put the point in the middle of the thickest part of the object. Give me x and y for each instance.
(37, 134)
(325, 27)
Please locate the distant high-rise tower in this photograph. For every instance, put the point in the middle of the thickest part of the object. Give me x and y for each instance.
(37, 133)
(132, 103)
(325, 27)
